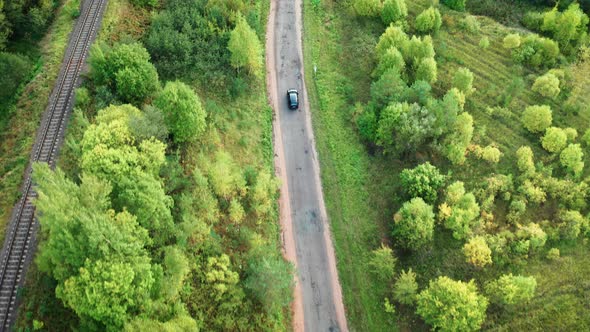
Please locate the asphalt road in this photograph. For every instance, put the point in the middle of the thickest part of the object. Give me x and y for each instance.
(318, 285)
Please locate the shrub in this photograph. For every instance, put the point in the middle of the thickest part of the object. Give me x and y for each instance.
(536, 51)
(572, 159)
(491, 154)
(14, 69)
(525, 161)
(394, 11)
(427, 71)
(534, 234)
(571, 134)
(537, 118)
(553, 254)
(547, 86)
(405, 288)
(470, 24)
(456, 4)
(429, 21)
(145, 3)
(509, 289)
(367, 124)
(477, 252)
(511, 41)
(484, 42)
(554, 140)
(383, 262)
(463, 80)
(369, 8)
(586, 137)
(414, 224)
(422, 181)
(449, 305)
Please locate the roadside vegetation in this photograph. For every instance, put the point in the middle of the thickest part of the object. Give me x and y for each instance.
(164, 202)
(454, 160)
(33, 39)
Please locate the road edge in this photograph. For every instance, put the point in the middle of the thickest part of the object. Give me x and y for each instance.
(288, 241)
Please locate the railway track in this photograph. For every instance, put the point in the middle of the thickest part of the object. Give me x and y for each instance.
(20, 243)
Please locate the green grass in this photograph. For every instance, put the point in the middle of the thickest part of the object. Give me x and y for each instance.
(361, 189)
(358, 217)
(18, 138)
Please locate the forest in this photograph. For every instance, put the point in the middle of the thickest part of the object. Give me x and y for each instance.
(454, 153)
(161, 214)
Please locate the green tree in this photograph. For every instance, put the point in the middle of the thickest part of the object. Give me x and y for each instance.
(456, 4)
(405, 288)
(537, 118)
(449, 305)
(572, 158)
(414, 224)
(145, 3)
(270, 280)
(176, 270)
(554, 140)
(394, 11)
(460, 210)
(525, 160)
(511, 41)
(14, 69)
(369, 8)
(181, 323)
(491, 154)
(536, 51)
(571, 224)
(569, 28)
(422, 181)
(510, 289)
(183, 112)
(477, 252)
(428, 21)
(4, 27)
(571, 134)
(126, 70)
(245, 48)
(262, 194)
(458, 140)
(427, 71)
(394, 36)
(463, 80)
(391, 60)
(97, 256)
(383, 262)
(547, 86)
(225, 177)
(404, 127)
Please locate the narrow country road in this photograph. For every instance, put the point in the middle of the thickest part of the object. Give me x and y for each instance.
(318, 303)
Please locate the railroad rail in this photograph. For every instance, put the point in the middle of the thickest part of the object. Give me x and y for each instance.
(20, 242)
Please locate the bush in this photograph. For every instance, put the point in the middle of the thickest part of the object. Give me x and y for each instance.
(414, 224)
(509, 289)
(547, 86)
(536, 51)
(449, 305)
(368, 8)
(586, 137)
(484, 42)
(427, 71)
(383, 263)
(477, 252)
(463, 80)
(525, 161)
(422, 181)
(572, 159)
(491, 154)
(429, 21)
(367, 124)
(511, 41)
(555, 140)
(394, 11)
(470, 24)
(553, 254)
(14, 69)
(571, 134)
(405, 288)
(145, 3)
(456, 4)
(537, 118)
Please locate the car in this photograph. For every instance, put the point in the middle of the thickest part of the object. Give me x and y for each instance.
(293, 99)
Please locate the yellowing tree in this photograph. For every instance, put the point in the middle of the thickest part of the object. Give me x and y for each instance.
(477, 252)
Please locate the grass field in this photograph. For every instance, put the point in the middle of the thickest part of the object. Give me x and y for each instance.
(18, 136)
(361, 189)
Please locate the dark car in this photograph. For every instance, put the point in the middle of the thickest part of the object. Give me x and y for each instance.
(293, 99)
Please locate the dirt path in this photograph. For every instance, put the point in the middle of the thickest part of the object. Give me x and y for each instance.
(305, 230)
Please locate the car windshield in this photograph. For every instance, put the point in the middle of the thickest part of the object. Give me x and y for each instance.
(293, 97)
